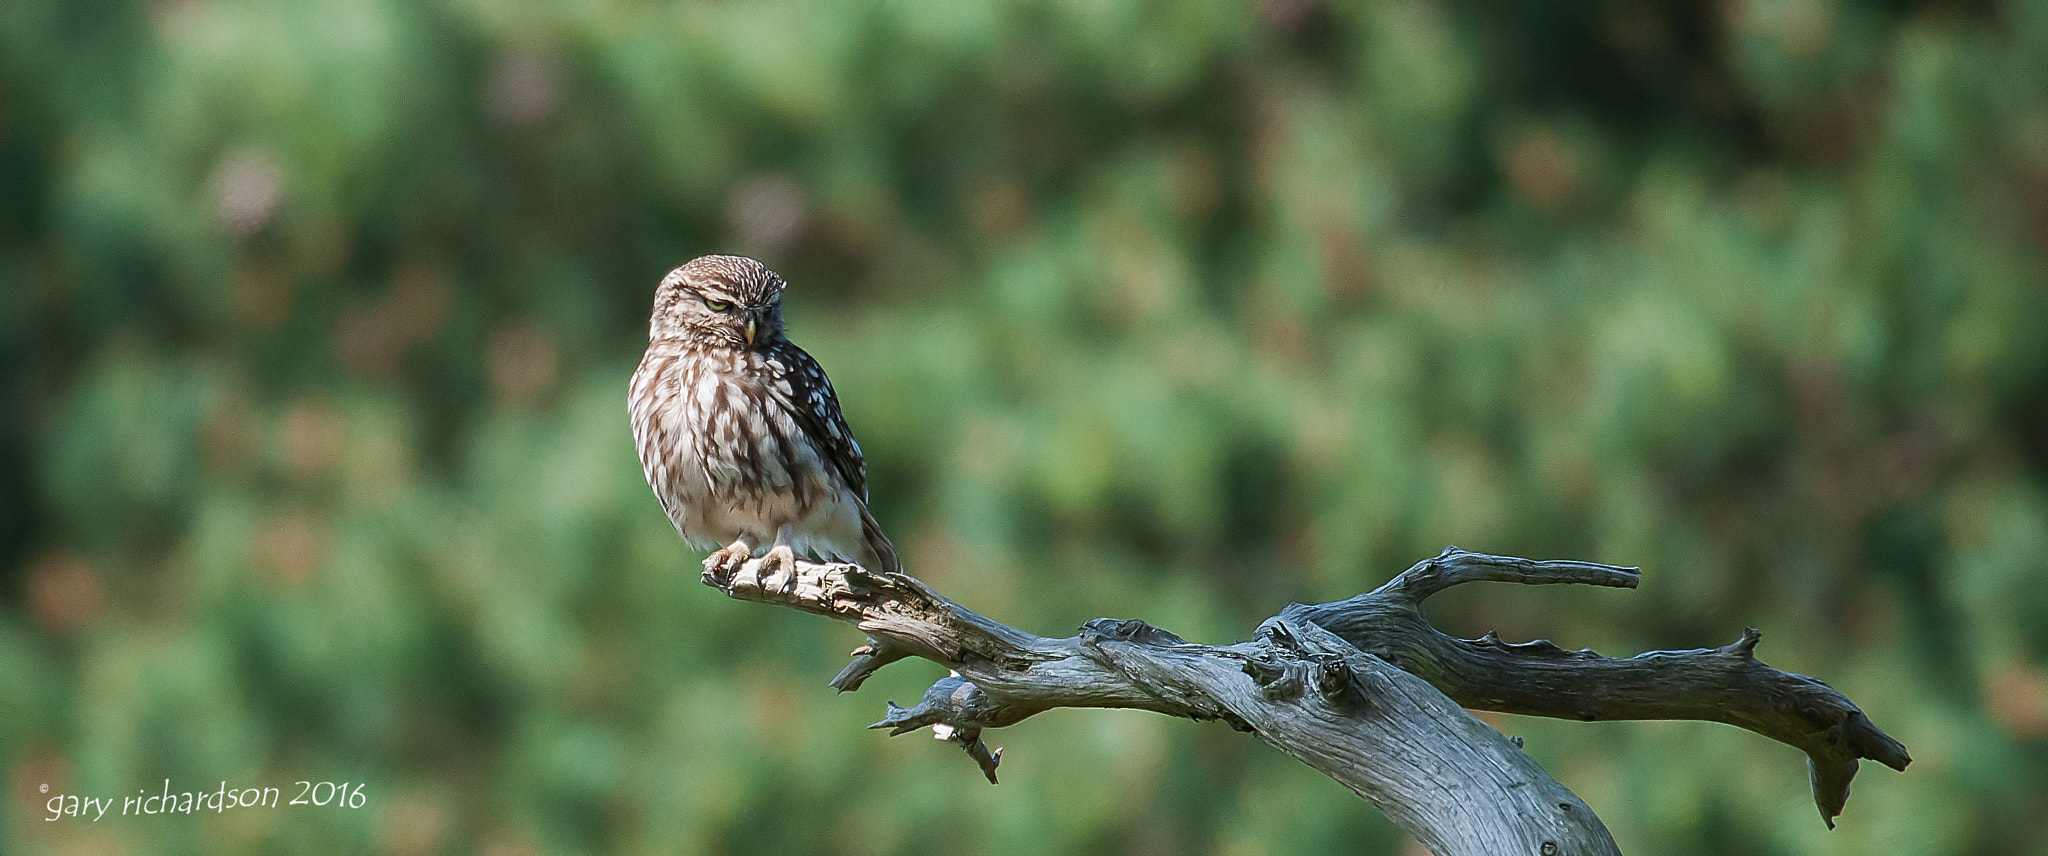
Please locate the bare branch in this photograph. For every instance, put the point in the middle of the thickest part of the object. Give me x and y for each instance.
(879, 652)
(1454, 567)
(1356, 689)
(1726, 684)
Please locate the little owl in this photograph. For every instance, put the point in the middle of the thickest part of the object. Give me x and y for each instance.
(739, 431)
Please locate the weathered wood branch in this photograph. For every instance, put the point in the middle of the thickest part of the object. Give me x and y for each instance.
(1726, 684)
(1364, 690)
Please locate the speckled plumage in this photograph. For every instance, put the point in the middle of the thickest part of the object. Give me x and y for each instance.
(741, 437)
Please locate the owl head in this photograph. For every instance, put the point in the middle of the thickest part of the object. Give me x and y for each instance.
(721, 301)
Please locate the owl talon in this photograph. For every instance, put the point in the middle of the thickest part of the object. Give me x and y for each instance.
(783, 558)
(720, 567)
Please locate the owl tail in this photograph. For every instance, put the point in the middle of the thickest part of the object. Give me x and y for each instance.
(882, 554)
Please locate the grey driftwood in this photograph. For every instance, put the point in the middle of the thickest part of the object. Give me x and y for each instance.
(1364, 690)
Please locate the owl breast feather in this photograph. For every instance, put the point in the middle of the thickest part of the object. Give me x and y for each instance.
(722, 453)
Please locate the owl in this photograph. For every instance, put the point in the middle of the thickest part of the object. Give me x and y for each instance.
(739, 431)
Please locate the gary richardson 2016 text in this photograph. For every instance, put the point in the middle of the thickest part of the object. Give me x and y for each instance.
(220, 799)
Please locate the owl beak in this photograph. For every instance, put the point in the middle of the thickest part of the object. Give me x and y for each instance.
(750, 329)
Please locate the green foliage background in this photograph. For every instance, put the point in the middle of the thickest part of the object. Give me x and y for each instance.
(316, 319)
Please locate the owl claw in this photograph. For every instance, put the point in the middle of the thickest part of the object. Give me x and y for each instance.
(783, 558)
(720, 566)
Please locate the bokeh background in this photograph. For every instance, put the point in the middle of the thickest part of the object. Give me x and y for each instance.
(316, 319)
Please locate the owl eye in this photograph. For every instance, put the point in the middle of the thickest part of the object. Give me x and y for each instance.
(716, 305)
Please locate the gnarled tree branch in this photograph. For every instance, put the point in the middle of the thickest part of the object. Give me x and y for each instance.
(1726, 684)
(1364, 690)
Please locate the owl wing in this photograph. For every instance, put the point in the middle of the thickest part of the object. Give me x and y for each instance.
(807, 394)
